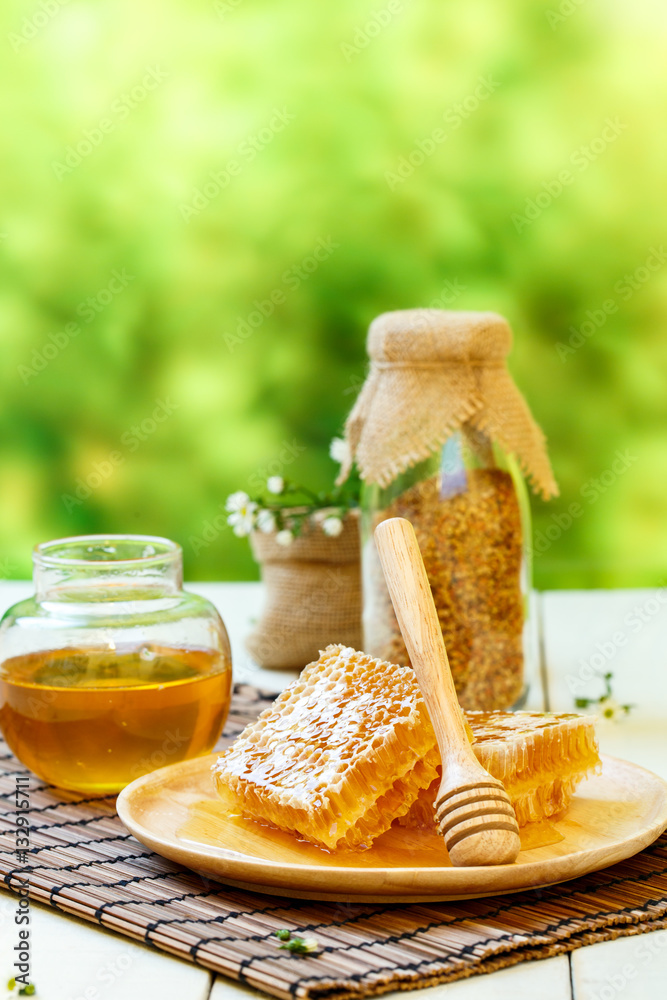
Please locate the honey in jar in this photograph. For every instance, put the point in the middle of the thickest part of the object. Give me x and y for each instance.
(111, 670)
(93, 720)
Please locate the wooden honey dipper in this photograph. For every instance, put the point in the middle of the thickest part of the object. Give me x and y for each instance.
(472, 809)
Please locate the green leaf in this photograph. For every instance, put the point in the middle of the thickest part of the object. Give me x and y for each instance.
(300, 946)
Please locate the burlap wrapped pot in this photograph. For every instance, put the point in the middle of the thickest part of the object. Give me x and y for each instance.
(313, 595)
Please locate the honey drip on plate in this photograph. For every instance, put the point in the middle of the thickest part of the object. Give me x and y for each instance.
(210, 823)
(93, 720)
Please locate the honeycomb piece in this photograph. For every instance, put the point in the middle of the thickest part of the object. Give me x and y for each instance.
(540, 759)
(341, 753)
(348, 748)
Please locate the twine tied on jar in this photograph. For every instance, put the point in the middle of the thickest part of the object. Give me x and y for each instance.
(433, 371)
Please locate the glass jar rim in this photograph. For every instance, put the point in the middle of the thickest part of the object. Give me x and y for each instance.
(165, 550)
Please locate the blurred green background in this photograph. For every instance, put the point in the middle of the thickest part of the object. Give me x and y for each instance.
(167, 166)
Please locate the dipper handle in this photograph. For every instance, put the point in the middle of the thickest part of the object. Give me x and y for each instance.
(472, 810)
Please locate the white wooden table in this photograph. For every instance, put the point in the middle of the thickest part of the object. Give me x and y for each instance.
(624, 631)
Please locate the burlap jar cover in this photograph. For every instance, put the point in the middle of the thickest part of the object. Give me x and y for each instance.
(432, 370)
(433, 373)
(313, 595)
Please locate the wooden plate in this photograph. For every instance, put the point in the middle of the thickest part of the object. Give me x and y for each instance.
(175, 811)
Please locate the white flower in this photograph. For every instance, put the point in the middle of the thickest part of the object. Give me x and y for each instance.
(310, 943)
(266, 521)
(610, 710)
(242, 516)
(332, 526)
(275, 484)
(285, 537)
(242, 522)
(339, 450)
(237, 502)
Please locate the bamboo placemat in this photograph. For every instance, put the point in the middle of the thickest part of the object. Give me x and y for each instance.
(82, 860)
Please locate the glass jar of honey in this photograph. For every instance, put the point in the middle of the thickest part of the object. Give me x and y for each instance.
(111, 670)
